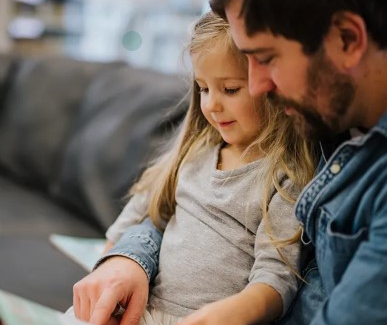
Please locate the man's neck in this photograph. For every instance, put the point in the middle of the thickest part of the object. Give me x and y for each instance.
(373, 88)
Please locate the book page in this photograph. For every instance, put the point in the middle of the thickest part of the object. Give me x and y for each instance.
(15, 310)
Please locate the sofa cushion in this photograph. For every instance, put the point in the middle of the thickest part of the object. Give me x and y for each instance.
(39, 108)
(7, 68)
(34, 269)
(30, 266)
(126, 114)
(26, 211)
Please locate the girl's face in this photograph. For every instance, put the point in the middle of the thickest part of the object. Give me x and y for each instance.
(224, 96)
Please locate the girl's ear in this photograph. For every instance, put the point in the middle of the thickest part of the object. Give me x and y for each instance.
(347, 40)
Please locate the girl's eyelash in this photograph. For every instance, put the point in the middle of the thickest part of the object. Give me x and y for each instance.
(231, 91)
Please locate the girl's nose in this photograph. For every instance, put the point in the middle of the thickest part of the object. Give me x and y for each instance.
(214, 104)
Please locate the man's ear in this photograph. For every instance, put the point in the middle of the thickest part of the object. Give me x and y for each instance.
(348, 35)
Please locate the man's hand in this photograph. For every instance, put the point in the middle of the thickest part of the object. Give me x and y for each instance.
(118, 280)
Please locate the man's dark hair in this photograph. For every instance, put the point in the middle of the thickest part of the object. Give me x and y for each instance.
(308, 21)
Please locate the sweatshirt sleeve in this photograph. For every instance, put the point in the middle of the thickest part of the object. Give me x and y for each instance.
(269, 268)
(134, 213)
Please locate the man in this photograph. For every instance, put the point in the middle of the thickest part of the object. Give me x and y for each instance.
(325, 63)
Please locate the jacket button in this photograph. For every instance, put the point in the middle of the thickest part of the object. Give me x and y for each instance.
(335, 168)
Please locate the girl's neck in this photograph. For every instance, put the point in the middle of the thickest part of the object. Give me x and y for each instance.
(233, 157)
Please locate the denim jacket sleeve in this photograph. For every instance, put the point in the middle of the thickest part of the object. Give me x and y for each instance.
(140, 243)
(360, 296)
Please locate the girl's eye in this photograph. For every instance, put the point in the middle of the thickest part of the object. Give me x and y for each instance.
(231, 91)
(203, 90)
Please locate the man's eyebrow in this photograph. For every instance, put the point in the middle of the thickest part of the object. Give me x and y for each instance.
(258, 50)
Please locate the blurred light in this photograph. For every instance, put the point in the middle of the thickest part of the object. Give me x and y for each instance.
(26, 27)
(132, 41)
(31, 2)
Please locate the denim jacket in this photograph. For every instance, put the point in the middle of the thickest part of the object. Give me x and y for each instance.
(344, 212)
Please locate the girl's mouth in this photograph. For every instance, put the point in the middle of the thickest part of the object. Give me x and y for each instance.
(225, 124)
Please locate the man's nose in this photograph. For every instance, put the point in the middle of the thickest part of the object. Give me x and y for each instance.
(260, 81)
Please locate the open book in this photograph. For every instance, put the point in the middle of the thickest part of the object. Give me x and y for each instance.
(84, 251)
(15, 310)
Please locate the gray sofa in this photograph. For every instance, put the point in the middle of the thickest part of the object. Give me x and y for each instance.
(73, 137)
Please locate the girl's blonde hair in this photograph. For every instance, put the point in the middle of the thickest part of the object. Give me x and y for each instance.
(288, 153)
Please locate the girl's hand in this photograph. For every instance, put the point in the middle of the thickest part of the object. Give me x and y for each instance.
(222, 312)
(258, 304)
(118, 280)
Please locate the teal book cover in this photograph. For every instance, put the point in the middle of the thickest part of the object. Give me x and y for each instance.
(84, 251)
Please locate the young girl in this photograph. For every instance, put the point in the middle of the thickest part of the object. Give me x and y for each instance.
(224, 194)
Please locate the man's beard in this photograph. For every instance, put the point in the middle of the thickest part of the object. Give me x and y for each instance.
(337, 90)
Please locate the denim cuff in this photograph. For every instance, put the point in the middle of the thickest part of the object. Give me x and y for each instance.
(141, 243)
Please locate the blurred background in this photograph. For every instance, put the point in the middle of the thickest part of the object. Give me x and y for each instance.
(89, 92)
(145, 33)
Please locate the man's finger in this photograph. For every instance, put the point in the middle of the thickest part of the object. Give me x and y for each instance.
(113, 321)
(85, 308)
(135, 309)
(77, 306)
(104, 307)
(92, 306)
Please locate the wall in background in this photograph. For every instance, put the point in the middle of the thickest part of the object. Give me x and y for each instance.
(146, 33)
(5, 42)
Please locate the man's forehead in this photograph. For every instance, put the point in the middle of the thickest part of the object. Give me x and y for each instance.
(258, 42)
(234, 6)
(233, 11)
(238, 27)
